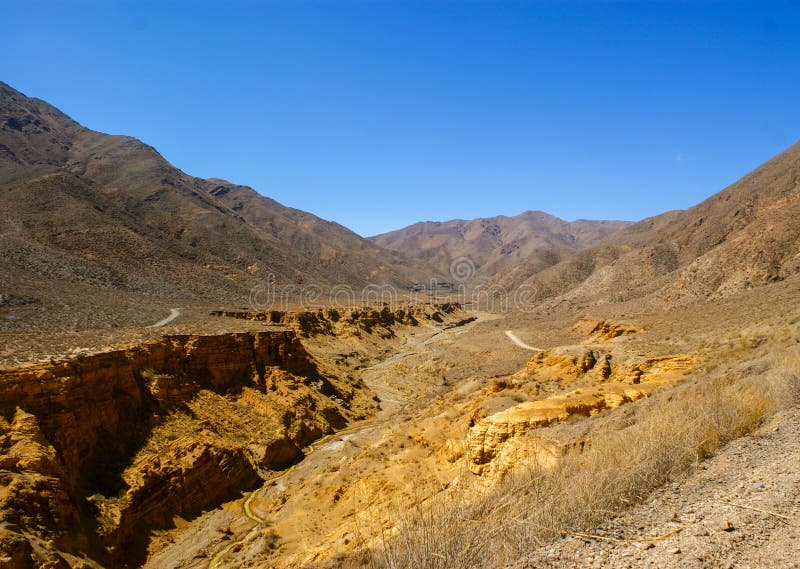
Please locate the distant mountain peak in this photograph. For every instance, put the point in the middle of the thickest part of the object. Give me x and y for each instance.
(493, 243)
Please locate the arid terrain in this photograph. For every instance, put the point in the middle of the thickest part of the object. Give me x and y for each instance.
(495, 244)
(587, 394)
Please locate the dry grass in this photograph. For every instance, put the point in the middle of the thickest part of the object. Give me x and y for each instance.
(464, 528)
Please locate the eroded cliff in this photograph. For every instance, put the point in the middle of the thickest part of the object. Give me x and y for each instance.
(345, 322)
(600, 378)
(98, 450)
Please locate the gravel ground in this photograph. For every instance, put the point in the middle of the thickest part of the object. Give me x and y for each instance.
(759, 471)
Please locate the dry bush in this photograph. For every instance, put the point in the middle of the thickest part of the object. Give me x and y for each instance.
(786, 387)
(465, 527)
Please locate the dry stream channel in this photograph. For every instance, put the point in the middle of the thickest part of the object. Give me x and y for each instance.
(250, 510)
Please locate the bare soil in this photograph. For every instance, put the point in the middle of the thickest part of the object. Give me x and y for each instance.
(740, 509)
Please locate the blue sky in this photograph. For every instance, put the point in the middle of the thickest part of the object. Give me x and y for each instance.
(377, 114)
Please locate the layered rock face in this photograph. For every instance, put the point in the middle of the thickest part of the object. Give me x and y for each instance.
(607, 378)
(97, 451)
(351, 321)
(485, 439)
(600, 365)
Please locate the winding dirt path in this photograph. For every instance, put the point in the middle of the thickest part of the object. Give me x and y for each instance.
(513, 337)
(261, 522)
(173, 314)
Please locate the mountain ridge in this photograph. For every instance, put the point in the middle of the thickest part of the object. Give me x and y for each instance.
(741, 237)
(109, 210)
(493, 243)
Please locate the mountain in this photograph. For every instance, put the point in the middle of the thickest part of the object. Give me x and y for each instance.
(79, 206)
(742, 237)
(495, 243)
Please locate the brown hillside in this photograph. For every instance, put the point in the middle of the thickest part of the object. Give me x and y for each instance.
(494, 243)
(744, 236)
(85, 207)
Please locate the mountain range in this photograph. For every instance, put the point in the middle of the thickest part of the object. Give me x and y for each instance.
(742, 237)
(79, 206)
(493, 243)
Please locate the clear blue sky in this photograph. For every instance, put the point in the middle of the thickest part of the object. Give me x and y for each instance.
(376, 114)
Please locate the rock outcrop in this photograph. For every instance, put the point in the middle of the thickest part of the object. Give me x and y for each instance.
(98, 450)
(350, 321)
(604, 330)
(601, 366)
(487, 436)
(562, 363)
(606, 379)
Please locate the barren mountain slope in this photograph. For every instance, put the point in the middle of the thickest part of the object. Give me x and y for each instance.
(494, 243)
(83, 206)
(742, 237)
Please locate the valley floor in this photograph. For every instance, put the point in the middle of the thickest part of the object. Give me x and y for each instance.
(292, 504)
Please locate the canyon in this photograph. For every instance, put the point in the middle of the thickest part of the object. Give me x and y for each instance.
(102, 449)
(128, 439)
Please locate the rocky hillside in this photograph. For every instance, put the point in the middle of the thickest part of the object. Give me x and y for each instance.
(494, 243)
(80, 206)
(742, 237)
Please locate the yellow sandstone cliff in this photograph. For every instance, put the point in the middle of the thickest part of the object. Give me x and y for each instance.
(93, 450)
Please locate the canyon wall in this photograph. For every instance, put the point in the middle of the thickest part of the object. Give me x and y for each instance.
(350, 321)
(95, 451)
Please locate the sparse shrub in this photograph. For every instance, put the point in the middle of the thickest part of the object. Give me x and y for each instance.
(467, 527)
